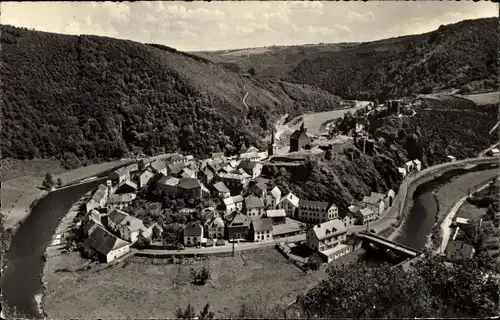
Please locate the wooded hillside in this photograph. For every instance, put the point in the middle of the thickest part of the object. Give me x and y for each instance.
(85, 99)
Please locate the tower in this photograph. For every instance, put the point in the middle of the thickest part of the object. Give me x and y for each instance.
(302, 127)
(272, 146)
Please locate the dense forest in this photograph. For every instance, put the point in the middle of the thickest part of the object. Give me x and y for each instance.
(85, 99)
(461, 56)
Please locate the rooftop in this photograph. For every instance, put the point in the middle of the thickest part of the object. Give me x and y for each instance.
(370, 200)
(221, 187)
(253, 202)
(119, 198)
(329, 229)
(262, 224)
(103, 241)
(189, 183)
(314, 204)
(366, 212)
(276, 213)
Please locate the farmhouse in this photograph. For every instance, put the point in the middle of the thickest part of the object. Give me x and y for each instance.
(108, 246)
(317, 211)
(262, 230)
(299, 139)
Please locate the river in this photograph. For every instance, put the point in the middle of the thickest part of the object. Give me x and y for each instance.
(422, 215)
(23, 261)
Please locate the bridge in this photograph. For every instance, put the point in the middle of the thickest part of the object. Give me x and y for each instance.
(384, 244)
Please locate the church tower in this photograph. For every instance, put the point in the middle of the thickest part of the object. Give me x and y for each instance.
(272, 145)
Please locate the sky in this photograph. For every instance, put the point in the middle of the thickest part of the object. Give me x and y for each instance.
(220, 25)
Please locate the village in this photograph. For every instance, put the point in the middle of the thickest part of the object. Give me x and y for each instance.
(261, 216)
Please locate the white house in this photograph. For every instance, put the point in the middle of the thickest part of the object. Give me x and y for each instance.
(145, 177)
(232, 204)
(290, 203)
(327, 238)
(273, 197)
(215, 228)
(451, 158)
(253, 168)
(262, 230)
(254, 207)
(106, 244)
(418, 164)
(99, 198)
(222, 191)
(317, 211)
(127, 226)
(402, 171)
(366, 215)
(409, 166)
(375, 204)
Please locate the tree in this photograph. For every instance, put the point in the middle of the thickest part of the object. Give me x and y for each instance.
(314, 262)
(201, 277)
(48, 182)
(59, 182)
(251, 71)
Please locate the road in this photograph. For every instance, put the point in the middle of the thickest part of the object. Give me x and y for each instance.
(227, 248)
(445, 225)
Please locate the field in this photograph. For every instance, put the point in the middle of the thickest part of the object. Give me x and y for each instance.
(470, 211)
(483, 98)
(138, 289)
(22, 189)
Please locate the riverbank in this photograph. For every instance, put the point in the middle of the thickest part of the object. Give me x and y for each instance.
(449, 194)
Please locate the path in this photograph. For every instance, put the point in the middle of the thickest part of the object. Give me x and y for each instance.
(445, 225)
(227, 248)
(244, 98)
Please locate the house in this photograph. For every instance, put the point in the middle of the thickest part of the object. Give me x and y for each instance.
(215, 228)
(206, 175)
(126, 186)
(238, 226)
(120, 201)
(234, 181)
(459, 250)
(265, 154)
(254, 169)
(222, 191)
(89, 225)
(287, 229)
(402, 171)
(193, 235)
(409, 166)
(277, 215)
(258, 187)
(375, 204)
(188, 173)
(365, 215)
(380, 196)
(494, 152)
(254, 207)
(168, 185)
(326, 238)
(120, 175)
(234, 163)
(391, 195)
(214, 167)
(126, 226)
(250, 156)
(227, 168)
(191, 187)
(159, 166)
(234, 203)
(98, 200)
(216, 155)
(451, 159)
(175, 169)
(273, 197)
(348, 218)
(262, 230)
(299, 139)
(145, 177)
(418, 164)
(108, 246)
(317, 211)
(290, 203)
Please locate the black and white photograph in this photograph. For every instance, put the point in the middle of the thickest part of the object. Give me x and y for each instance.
(249, 159)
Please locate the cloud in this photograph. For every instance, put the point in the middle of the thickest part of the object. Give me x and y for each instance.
(312, 6)
(199, 14)
(357, 17)
(118, 12)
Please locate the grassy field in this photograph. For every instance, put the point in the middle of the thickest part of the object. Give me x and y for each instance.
(23, 187)
(483, 98)
(470, 211)
(137, 289)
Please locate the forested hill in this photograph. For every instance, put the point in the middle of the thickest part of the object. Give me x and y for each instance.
(84, 99)
(457, 56)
